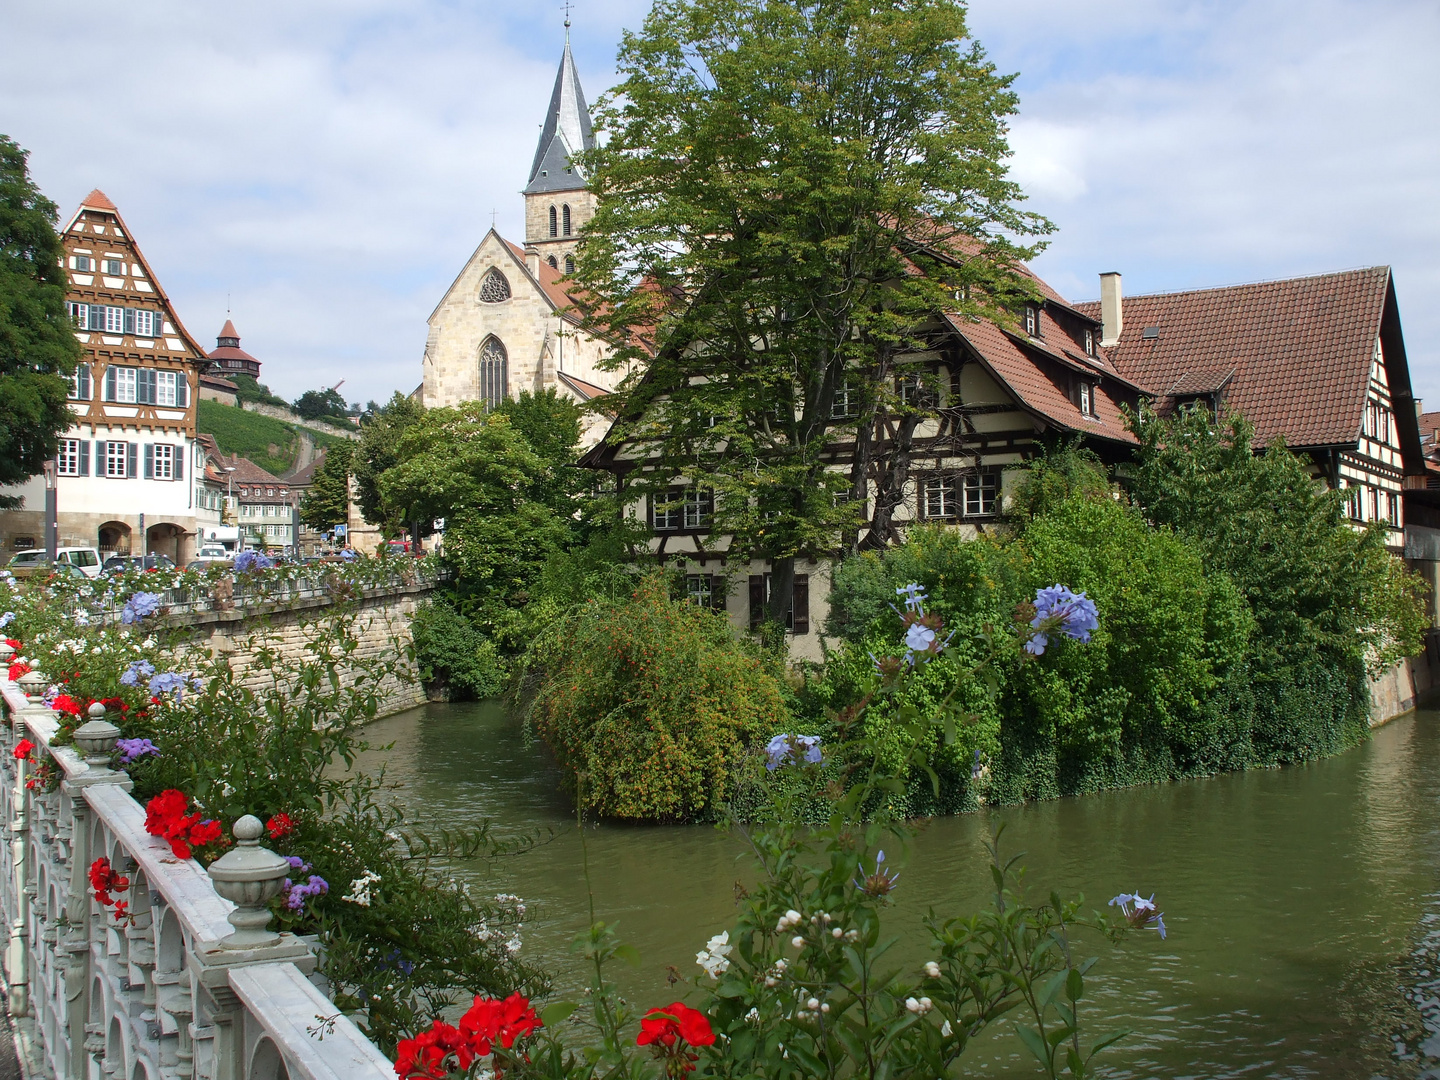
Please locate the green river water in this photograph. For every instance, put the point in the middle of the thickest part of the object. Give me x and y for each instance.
(1303, 904)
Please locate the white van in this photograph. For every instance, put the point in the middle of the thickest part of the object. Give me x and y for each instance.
(84, 559)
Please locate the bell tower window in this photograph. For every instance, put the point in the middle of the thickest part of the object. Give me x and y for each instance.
(569, 264)
(554, 265)
(565, 215)
(554, 228)
(494, 372)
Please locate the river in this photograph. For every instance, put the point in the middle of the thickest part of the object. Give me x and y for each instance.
(1303, 904)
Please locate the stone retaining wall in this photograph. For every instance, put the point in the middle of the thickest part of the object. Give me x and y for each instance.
(1404, 686)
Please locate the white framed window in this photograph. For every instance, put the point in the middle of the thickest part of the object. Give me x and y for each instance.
(940, 497)
(114, 320)
(1394, 500)
(667, 511)
(122, 385)
(699, 508)
(981, 493)
(846, 403)
(114, 267)
(1087, 399)
(80, 313)
(913, 391)
(1032, 320)
(163, 467)
(145, 323)
(117, 459)
(166, 383)
(83, 264)
(1089, 342)
(700, 589)
(68, 459)
(80, 388)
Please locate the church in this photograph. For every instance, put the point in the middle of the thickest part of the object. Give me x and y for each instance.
(506, 325)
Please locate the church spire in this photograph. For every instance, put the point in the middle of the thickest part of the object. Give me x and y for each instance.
(567, 131)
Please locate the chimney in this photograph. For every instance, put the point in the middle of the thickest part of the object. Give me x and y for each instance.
(532, 260)
(1111, 321)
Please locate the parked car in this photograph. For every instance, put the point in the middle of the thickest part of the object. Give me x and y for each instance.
(37, 562)
(210, 555)
(118, 564)
(404, 547)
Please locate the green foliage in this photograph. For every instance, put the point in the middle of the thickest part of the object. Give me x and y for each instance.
(1315, 585)
(322, 405)
(1060, 473)
(251, 435)
(649, 703)
(38, 350)
(327, 503)
(454, 655)
(249, 388)
(379, 451)
(771, 176)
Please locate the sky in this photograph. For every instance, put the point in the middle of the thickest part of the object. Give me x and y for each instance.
(322, 170)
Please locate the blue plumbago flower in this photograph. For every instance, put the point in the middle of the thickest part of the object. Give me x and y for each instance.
(139, 606)
(881, 882)
(1060, 611)
(133, 749)
(783, 748)
(914, 596)
(7, 618)
(394, 959)
(1140, 912)
(169, 682)
(253, 560)
(139, 669)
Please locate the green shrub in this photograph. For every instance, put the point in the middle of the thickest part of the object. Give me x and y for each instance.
(454, 655)
(649, 702)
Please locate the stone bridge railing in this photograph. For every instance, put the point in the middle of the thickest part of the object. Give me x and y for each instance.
(190, 985)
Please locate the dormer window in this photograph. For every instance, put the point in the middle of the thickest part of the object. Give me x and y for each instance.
(1032, 320)
(1087, 399)
(1089, 342)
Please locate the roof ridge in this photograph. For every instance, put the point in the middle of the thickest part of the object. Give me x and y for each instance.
(1249, 284)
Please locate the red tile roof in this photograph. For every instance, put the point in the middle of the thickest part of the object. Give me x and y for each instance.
(588, 390)
(1300, 349)
(99, 200)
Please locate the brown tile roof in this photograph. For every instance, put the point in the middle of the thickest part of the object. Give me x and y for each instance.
(587, 390)
(1300, 349)
(1043, 389)
(1429, 423)
(550, 284)
(99, 200)
(247, 472)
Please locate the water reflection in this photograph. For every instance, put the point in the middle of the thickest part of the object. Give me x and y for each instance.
(1299, 900)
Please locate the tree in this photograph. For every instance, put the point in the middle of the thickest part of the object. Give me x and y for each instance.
(377, 451)
(474, 469)
(550, 426)
(38, 350)
(314, 404)
(327, 503)
(1316, 585)
(774, 174)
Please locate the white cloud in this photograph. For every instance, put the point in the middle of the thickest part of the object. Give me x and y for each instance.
(330, 165)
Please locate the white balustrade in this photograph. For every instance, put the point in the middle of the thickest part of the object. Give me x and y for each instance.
(188, 986)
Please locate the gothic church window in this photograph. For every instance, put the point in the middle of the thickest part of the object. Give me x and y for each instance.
(494, 287)
(554, 228)
(494, 372)
(553, 264)
(569, 264)
(565, 214)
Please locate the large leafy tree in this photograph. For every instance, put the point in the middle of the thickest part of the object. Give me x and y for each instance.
(317, 404)
(327, 503)
(1317, 586)
(38, 350)
(377, 451)
(788, 189)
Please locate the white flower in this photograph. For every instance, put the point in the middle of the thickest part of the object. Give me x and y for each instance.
(920, 1007)
(932, 969)
(789, 919)
(798, 941)
(753, 1016)
(838, 933)
(813, 1004)
(360, 889)
(714, 958)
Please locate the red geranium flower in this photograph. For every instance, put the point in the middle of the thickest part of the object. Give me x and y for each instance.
(66, 704)
(22, 749)
(280, 826)
(676, 1020)
(14, 644)
(166, 817)
(426, 1054)
(207, 832)
(18, 670)
(492, 1020)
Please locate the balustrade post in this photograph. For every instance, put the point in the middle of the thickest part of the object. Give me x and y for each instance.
(17, 966)
(96, 741)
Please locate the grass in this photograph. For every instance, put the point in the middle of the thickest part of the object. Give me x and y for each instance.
(251, 436)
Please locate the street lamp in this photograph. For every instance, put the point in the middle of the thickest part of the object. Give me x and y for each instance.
(52, 510)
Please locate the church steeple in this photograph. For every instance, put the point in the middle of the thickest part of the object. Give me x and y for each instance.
(567, 132)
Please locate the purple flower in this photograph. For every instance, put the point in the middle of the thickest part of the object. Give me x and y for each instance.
(252, 560)
(139, 606)
(914, 597)
(169, 682)
(131, 749)
(881, 882)
(1060, 611)
(296, 895)
(783, 748)
(1140, 912)
(140, 669)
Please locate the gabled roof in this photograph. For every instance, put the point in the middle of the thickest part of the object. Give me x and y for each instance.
(587, 390)
(567, 132)
(1300, 351)
(548, 280)
(247, 472)
(98, 201)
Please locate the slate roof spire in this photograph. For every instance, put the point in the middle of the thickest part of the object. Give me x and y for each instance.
(567, 132)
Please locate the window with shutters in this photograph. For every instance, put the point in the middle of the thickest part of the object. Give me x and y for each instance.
(117, 459)
(80, 389)
(797, 618)
(114, 320)
(83, 264)
(166, 388)
(494, 287)
(565, 216)
(121, 385)
(554, 225)
(164, 462)
(114, 267)
(494, 372)
(68, 459)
